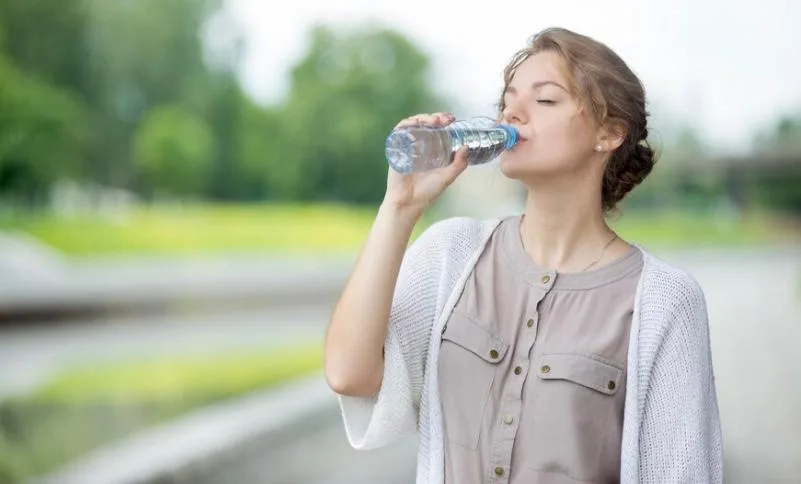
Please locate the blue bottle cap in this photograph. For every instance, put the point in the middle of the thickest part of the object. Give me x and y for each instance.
(512, 136)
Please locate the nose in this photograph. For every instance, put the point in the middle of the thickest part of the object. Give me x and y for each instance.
(513, 115)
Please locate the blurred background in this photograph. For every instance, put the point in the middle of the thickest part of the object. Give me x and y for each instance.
(185, 184)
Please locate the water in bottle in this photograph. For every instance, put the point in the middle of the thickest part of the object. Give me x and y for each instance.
(420, 148)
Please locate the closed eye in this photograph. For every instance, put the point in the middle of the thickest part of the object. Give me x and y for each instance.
(546, 101)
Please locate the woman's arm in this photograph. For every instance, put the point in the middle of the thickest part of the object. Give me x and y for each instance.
(356, 334)
(358, 328)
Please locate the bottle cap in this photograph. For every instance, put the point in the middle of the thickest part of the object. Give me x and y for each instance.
(512, 136)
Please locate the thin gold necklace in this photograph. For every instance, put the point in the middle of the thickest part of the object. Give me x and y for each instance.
(522, 232)
(608, 244)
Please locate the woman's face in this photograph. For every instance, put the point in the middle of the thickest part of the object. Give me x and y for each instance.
(556, 138)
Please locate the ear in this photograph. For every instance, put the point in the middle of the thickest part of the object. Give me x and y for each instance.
(611, 135)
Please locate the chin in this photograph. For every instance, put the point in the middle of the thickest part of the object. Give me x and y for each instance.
(518, 167)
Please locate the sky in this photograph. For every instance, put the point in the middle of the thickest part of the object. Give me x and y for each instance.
(728, 68)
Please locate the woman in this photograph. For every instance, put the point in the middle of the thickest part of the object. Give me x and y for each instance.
(539, 348)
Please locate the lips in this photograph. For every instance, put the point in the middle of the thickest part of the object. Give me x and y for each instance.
(520, 138)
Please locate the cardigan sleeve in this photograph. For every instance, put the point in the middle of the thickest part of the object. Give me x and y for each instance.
(680, 440)
(393, 412)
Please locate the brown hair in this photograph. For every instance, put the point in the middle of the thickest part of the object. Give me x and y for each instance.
(615, 96)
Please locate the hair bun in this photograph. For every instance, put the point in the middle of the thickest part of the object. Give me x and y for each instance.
(626, 171)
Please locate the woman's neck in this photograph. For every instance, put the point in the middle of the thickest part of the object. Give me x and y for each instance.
(564, 229)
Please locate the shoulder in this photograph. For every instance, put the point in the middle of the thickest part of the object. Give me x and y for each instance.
(674, 329)
(671, 292)
(446, 248)
(457, 234)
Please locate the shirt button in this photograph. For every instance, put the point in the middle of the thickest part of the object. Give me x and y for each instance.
(518, 370)
(611, 385)
(508, 420)
(545, 369)
(499, 471)
(530, 323)
(546, 279)
(493, 354)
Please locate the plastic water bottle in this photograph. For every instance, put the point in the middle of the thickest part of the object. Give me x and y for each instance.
(420, 148)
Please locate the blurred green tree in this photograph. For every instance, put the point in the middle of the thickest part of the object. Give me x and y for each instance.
(142, 54)
(264, 146)
(118, 58)
(173, 151)
(346, 94)
(780, 189)
(672, 184)
(110, 84)
(42, 135)
(782, 137)
(46, 39)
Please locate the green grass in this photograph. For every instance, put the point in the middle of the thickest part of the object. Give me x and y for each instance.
(319, 229)
(86, 407)
(686, 229)
(205, 228)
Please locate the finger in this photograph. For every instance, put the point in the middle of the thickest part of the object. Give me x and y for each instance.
(423, 119)
(457, 166)
(444, 118)
(404, 123)
(417, 120)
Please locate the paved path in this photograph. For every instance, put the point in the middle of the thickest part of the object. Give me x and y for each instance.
(56, 285)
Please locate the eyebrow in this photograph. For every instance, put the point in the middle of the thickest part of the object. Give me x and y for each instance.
(539, 84)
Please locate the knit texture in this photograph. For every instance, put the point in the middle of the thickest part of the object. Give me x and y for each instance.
(671, 424)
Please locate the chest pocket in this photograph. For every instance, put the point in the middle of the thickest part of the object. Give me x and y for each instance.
(587, 371)
(468, 359)
(576, 417)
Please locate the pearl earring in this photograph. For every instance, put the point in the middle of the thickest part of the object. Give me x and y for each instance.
(598, 148)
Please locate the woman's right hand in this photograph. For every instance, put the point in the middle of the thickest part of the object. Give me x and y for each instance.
(415, 191)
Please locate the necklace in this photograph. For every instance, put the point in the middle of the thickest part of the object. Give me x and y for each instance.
(608, 244)
(522, 233)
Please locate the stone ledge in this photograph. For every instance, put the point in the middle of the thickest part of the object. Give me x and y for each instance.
(181, 448)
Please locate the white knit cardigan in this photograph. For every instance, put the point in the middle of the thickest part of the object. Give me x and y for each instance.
(671, 425)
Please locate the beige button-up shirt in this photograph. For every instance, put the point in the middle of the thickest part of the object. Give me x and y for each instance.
(532, 369)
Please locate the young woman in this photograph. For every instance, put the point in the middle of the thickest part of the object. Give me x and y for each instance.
(541, 347)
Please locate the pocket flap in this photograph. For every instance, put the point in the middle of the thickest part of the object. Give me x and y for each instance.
(588, 371)
(470, 335)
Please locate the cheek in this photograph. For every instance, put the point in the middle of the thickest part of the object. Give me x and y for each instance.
(551, 140)
(568, 136)
(563, 126)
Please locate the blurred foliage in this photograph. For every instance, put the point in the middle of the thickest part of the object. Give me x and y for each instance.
(144, 96)
(783, 137)
(690, 176)
(86, 407)
(42, 133)
(780, 189)
(173, 151)
(346, 95)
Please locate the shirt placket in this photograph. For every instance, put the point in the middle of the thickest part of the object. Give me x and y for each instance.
(511, 408)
